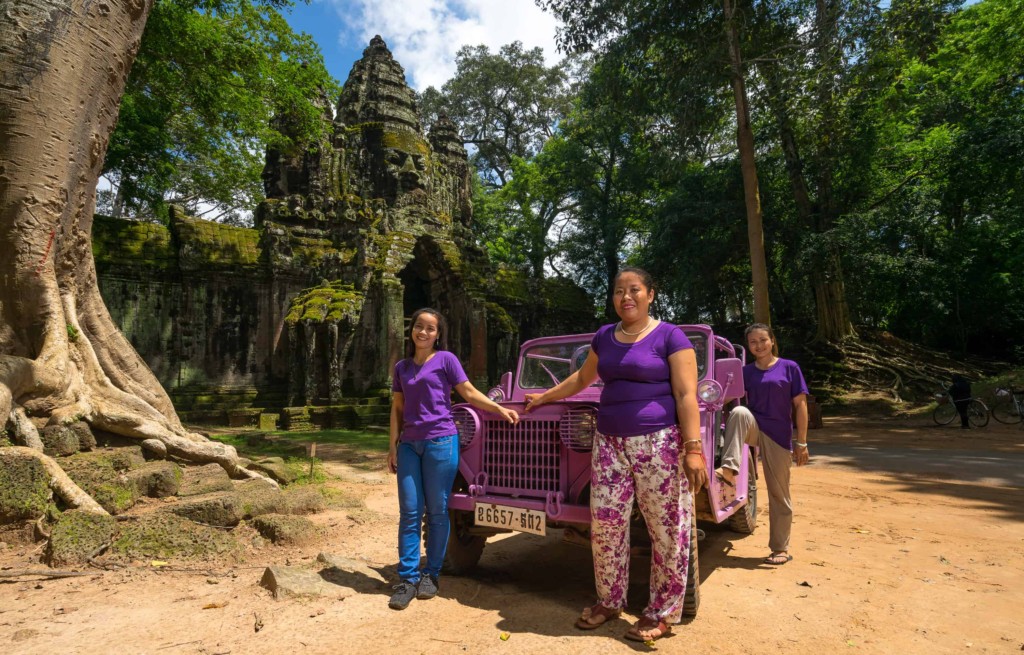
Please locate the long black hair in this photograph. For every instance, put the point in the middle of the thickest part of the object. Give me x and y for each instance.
(442, 331)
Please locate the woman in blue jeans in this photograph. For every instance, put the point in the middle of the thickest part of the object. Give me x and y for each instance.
(425, 449)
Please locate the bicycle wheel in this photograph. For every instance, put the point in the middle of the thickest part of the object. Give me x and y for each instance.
(944, 414)
(977, 414)
(1006, 411)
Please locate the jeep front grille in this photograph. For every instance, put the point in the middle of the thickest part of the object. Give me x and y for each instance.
(522, 459)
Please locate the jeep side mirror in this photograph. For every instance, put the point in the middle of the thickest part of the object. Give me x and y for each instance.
(729, 374)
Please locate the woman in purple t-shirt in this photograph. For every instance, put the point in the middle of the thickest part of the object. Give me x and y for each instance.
(776, 395)
(647, 421)
(424, 450)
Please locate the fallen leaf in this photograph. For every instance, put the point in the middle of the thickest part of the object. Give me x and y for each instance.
(215, 606)
(504, 636)
(159, 563)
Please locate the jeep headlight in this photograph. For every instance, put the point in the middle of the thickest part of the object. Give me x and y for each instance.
(577, 428)
(467, 422)
(497, 394)
(709, 391)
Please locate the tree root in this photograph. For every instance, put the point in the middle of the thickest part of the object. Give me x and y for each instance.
(881, 362)
(60, 483)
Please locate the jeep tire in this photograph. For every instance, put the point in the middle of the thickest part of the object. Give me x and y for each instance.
(691, 602)
(745, 519)
(464, 549)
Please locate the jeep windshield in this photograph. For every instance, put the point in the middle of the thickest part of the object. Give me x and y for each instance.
(545, 365)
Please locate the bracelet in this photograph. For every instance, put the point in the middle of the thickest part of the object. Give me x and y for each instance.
(692, 441)
(800, 445)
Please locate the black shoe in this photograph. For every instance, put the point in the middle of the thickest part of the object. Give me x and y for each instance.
(404, 593)
(427, 588)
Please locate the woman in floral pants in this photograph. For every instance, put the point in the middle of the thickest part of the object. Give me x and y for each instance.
(647, 422)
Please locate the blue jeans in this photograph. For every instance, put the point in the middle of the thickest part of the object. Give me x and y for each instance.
(426, 471)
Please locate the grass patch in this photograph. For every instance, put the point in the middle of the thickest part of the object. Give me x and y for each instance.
(355, 447)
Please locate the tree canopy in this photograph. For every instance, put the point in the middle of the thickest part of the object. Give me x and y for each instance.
(196, 115)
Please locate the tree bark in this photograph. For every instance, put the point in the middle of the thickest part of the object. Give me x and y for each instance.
(63, 66)
(833, 313)
(748, 166)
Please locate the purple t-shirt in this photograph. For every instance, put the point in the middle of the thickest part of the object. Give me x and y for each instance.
(428, 395)
(770, 398)
(637, 396)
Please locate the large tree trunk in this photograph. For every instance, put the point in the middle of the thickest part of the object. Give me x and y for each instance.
(63, 65)
(748, 166)
(833, 314)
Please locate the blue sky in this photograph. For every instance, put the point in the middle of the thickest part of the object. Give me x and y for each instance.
(424, 35)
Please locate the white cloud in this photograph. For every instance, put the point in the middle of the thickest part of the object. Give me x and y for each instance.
(424, 35)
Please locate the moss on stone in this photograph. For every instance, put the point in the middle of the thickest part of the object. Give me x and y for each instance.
(59, 441)
(119, 241)
(217, 243)
(165, 535)
(406, 142)
(285, 530)
(100, 474)
(304, 499)
(77, 535)
(24, 487)
(260, 497)
(330, 302)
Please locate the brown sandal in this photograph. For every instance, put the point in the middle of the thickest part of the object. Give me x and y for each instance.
(597, 611)
(648, 625)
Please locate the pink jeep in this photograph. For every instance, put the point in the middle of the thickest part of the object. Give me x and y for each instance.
(535, 476)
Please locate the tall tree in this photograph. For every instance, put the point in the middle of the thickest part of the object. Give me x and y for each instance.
(639, 25)
(63, 67)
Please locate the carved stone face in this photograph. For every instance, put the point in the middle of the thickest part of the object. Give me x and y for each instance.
(409, 170)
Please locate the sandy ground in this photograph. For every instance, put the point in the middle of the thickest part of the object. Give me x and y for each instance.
(908, 539)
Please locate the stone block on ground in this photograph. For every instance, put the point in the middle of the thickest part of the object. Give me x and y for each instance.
(222, 509)
(100, 475)
(276, 468)
(291, 582)
(24, 487)
(260, 497)
(198, 480)
(304, 499)
(164, 535)
(21, 533)
(269, 421)
(158, 479)
(77, 535)
(286, 530)
(356, 574)
(86, 439)
(59, 441)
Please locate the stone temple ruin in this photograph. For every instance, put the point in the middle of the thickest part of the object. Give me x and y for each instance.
(300, 319)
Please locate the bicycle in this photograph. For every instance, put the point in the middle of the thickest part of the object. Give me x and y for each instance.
(977, 411)
(1009, 405)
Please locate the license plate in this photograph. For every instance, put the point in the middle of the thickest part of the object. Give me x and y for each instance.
(511, 518)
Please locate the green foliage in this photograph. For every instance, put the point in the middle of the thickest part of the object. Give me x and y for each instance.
(72, 333)
(508, 106)
(197, 110)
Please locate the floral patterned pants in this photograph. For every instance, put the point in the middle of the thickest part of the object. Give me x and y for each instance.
(648, 468)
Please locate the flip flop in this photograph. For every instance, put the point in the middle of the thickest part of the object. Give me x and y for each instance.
(597, 611)
(646, 624)
(777, 559)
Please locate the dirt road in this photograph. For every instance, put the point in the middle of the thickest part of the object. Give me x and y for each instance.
(908, 539)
